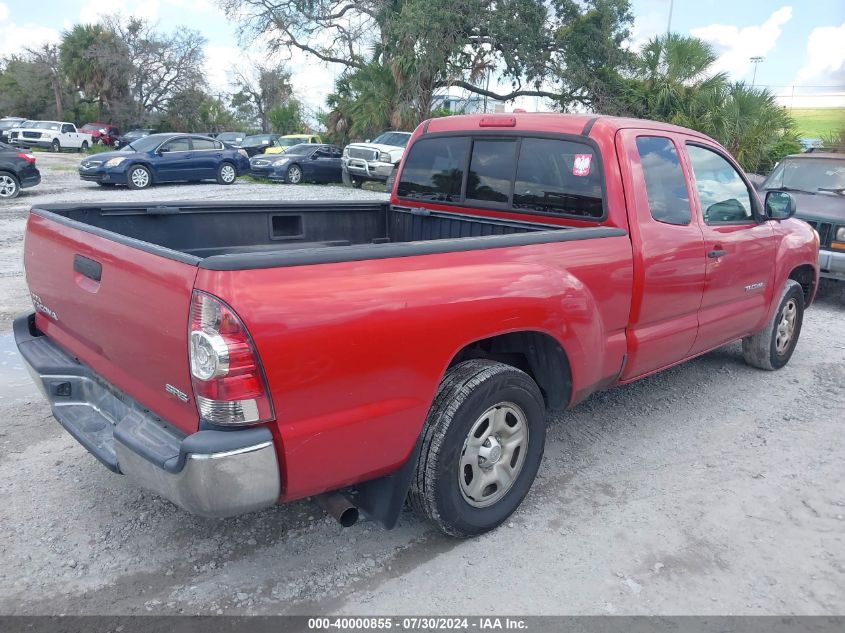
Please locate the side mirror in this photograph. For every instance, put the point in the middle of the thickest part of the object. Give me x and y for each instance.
(162, 150)
(779, 205)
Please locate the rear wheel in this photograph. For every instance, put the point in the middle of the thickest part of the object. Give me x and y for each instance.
(139, 177)
(294, 174)
(56, 146)
(226, 174)
(772, 347)
(84, 146)
(482, 445)
(9, 186)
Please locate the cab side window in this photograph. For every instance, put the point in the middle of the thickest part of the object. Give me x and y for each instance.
(722, 192)
(668, 199)
(67, 129)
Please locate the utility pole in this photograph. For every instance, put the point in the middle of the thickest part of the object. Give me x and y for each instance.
(755, 60)
(669, 22)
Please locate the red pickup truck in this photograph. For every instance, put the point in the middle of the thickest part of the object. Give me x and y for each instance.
(230, 356)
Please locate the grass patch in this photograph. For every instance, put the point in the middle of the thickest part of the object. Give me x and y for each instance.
(99, 149)
(818, 122)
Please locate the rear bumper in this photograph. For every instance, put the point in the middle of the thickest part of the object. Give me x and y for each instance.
(210, 473)
(832, 264)
(30, 180)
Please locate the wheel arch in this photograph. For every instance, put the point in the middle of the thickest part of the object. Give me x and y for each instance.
(805, 274)
(536, 353)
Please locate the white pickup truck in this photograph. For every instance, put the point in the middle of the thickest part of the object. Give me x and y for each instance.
(54, 135)
(373, 160)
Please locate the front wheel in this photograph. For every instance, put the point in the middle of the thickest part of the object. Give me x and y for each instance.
(350, 181)
(226, 174)
(294, 174)
(139, 177)
(482, 444)
(56, 146)
(772, 347)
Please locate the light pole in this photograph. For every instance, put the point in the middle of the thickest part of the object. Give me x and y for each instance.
(669, 21)
(755, 60)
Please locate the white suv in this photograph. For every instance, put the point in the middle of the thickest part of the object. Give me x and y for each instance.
(54, 135)
(373, 160)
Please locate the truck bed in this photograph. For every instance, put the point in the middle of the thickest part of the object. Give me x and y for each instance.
(243, 235)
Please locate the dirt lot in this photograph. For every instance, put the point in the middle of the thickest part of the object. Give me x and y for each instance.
(712, 488)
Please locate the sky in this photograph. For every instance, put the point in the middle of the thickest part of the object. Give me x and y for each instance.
(802, 42)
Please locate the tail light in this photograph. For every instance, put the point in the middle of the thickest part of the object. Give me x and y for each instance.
(228, 382)
(27, 157)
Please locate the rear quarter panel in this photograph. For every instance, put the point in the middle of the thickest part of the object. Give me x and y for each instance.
(354, 352)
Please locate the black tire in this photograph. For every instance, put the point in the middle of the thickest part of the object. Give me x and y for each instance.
(227, 173)
(84, 146)
(468, 392)
(388, 186)
(294, 174)
(762, 349)
(10, 186)
(56, 146)
(138, 182)
(350, 181)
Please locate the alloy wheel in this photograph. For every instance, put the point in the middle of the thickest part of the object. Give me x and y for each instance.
(140, 178)
(227, 173)
(8, 186)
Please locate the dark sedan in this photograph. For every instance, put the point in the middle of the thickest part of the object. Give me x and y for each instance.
(817, 183)
(166, 158)
(132, 136)
(258, 143)
(17, 171)
(301, 163)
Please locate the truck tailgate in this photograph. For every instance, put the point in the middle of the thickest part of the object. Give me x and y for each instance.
(120, 310)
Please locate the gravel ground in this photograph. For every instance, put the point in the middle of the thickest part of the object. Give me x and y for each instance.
(711, 488)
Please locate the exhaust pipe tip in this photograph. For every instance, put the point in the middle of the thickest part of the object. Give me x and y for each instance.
(339, 507)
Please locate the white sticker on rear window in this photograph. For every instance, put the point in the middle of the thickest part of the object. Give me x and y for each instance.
(581, 166)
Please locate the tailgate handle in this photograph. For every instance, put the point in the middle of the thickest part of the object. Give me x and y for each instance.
(88, 267)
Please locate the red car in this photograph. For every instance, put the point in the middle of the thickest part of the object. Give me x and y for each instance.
(230, 356)
(102, 133)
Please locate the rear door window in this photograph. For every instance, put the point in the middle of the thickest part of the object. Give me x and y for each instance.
(491, 170)
(665, 184)
(560, 177)
(434, 170)
(203, 143)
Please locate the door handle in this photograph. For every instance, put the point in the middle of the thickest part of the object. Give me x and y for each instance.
(716, 254)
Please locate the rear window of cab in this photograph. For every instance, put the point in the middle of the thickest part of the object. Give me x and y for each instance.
(519, 173)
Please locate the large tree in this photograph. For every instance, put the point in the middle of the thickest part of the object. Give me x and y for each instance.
(161, 66)
(96, 62)
(261, 89)
(428, 45)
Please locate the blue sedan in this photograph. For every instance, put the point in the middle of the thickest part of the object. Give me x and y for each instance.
(166, 158)
(307, 162)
